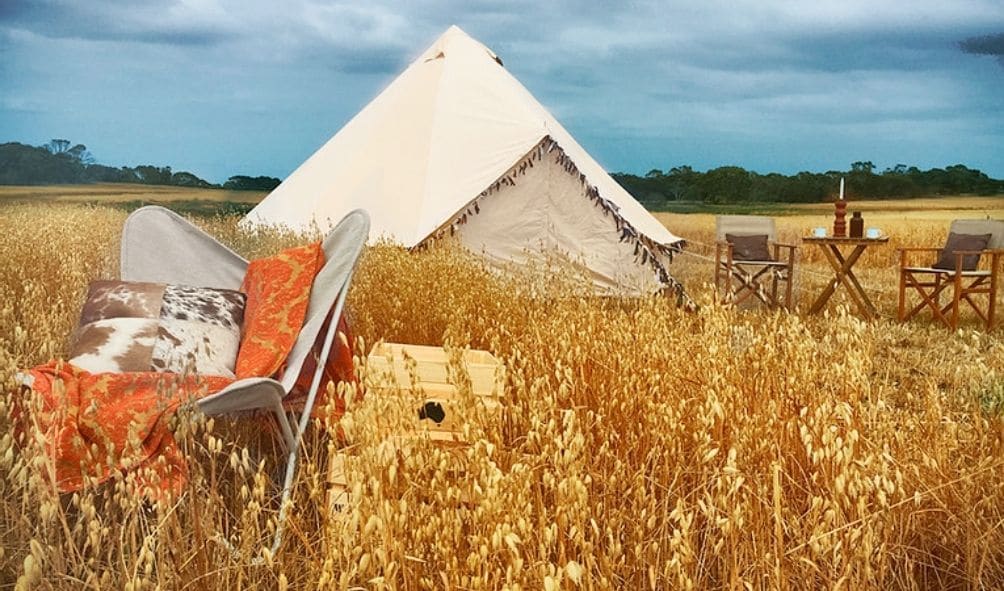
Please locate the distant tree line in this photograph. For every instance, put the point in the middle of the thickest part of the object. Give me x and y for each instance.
(62, 162)
(732, 184)
(248, 183)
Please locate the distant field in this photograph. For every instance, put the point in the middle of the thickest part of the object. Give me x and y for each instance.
(924, 204)
(902, 219)
(112, 193)
(928, 205)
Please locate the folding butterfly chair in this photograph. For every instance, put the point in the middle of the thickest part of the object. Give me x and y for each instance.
(747, 255)
(162, 247)
(956, 272)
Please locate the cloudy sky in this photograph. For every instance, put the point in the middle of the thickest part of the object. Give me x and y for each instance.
(223, 87)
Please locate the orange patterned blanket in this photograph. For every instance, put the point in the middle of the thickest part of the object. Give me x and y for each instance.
(100, 424)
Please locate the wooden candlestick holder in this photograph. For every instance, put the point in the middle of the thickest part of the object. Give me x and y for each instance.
(839, 224)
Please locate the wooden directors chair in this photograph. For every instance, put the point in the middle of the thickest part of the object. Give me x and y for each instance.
(747, 255)
(967, 266)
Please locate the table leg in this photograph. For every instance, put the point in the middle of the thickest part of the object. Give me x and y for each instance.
(824, 296)
(850, 281)
(844, 275)
(865, 305)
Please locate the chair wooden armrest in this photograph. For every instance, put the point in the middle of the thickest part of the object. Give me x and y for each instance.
(960, 254)
(723, 258)
(919, 248)
(722, 247)
(790, 256)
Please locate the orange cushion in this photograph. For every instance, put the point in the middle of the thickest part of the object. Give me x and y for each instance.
(278, 293)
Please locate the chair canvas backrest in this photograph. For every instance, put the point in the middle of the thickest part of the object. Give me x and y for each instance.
(744, 225)
(993, 227)
(160, 246)
(342, 247)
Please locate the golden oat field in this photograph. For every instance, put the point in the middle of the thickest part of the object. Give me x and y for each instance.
(121, 192)
(638, 445)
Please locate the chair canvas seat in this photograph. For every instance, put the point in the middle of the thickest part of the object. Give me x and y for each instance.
(162, 247)
(977, 288)
(761, 263)
(976, 273)
(743, 279)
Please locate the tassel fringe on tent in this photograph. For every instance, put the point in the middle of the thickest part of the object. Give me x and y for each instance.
(644, 247)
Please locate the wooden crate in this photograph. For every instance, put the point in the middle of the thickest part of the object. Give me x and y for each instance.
(438, 401)
(427, 383)
(340, 495)
(338, 485)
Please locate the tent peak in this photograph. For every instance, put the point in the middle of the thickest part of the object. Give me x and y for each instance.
(455, 39)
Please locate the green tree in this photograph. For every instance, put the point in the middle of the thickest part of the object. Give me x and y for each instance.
(57, 146)
(153, 175)
(681, 183)
(187, 179)
(865, 166)
(247, 183)
(726, 184)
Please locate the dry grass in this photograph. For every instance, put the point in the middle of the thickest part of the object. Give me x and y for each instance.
(639, 446)
(122, 192)
(940, 207)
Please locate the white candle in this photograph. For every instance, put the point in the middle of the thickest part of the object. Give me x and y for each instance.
(841, 188)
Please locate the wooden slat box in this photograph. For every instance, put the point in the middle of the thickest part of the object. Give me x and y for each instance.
(438, 400)
(430, 386)
(339, 493)
(338, 485)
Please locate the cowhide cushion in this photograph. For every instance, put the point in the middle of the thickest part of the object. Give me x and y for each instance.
(132, 326)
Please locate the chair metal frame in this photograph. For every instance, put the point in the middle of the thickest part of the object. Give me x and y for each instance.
(964, 286)
(743, 279)
(161, 246)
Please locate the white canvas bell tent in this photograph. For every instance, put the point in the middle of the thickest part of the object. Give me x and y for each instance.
(457, 146)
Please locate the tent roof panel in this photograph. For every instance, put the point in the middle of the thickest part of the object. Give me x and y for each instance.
(441, 133)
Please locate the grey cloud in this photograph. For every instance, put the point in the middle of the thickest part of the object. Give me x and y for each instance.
(113, 20)
(165, 37)
(985, 45)
(359, 61)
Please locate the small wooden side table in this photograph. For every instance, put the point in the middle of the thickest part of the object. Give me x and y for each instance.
(843, 268)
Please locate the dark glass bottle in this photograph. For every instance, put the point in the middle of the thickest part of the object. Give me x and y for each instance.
(857, 225)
